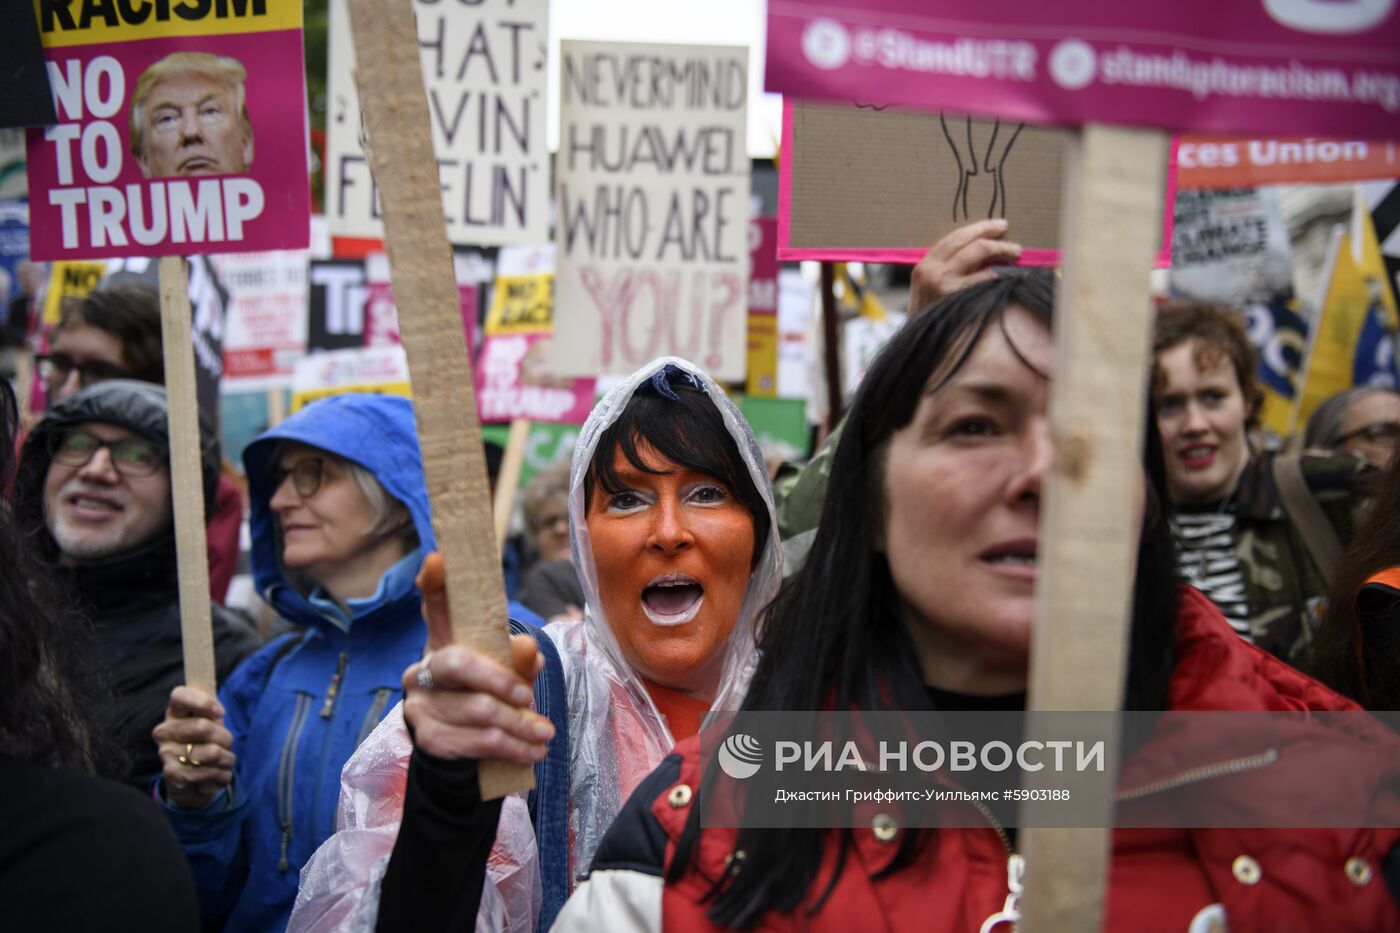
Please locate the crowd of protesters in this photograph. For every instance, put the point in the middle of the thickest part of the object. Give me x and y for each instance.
(332, 783)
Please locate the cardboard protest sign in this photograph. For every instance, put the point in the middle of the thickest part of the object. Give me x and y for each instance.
(779, 424)
(515, 369)
(265, 329)
(336, 304)
(484, 68)
(181, 129)
(377, 370)
(69, 280)
(515, 379)
(1230, 247)
(796, 297)
(381, 311)
(883, 185)
(762, 365)
(351, 303)
(652, 197)
(1249, 162)
(1308, 66)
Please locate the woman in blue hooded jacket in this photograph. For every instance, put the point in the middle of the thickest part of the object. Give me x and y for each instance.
(340, 524)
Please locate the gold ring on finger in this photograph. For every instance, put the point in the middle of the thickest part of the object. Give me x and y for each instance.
(188, 757)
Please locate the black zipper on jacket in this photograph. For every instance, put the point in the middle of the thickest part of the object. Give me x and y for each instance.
(286, 774)
(376, 711)
(333, 690)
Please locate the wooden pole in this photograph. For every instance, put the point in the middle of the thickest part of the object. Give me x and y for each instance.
(186, 474)
(400, 150)
(509, 480)
(276, 406)
(24, 380)
(831, 346)
(1111, 225)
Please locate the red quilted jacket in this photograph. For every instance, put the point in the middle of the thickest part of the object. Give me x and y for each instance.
(1178, 880)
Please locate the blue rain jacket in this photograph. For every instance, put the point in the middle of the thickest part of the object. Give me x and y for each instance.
(300, 706)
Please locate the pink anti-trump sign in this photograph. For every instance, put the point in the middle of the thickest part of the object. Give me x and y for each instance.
(181, 130)
(515, 379)
(1252, 66)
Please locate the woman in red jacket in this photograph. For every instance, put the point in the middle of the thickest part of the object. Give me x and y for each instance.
(919, 594)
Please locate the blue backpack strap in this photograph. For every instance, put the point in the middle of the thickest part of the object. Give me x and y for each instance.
(549, 801)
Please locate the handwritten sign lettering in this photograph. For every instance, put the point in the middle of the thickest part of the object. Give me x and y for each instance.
(652, 202)
(484, 68)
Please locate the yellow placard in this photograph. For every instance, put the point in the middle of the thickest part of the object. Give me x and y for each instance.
(522, 304)
(90, 22)
(763, 356)
(69, 280)
(307, 396)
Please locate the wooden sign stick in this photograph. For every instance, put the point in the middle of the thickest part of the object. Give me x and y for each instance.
(509, 479)
(186, 474)
(1111, 225)
(400, 149)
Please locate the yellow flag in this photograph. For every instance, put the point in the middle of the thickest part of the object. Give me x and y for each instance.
(1352, 341)
(1366, 251)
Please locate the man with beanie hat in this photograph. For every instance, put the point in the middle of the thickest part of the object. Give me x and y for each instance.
(93, 497)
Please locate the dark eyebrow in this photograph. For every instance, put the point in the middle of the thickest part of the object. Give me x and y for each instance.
(993, 392)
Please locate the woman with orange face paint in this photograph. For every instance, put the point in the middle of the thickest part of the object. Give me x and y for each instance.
(675, 544)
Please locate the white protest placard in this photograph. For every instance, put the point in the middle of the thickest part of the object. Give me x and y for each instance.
(484, 68)
(651, 232)
(265, 324)
(372, 370)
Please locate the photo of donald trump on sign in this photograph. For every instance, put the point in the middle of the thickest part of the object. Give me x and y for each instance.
(189, 116)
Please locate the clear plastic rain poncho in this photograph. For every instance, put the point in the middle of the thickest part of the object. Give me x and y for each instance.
(616, 734)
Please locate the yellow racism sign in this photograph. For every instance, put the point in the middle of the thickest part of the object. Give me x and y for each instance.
(90, 22)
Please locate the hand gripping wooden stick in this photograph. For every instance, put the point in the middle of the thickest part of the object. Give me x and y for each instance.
(186, 474)
(1111, 223)
(400, 150)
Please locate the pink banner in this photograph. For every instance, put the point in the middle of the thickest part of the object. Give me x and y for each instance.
(1247, 66)
(763, 265)
(515, 379)
(382, 314)
(157, 153)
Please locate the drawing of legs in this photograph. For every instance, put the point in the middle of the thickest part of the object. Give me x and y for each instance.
(977, 159)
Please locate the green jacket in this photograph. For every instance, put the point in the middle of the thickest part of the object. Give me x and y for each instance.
(1284, 587)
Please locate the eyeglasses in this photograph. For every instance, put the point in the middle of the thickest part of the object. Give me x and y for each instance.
(55, 368)
(543, 522)
(130, 456)
(1377, 432)
(306, 476)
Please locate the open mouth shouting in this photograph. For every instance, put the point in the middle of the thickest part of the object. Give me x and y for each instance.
(673, 599)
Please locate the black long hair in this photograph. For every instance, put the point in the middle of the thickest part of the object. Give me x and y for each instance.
(834, 637)
(50, 698)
